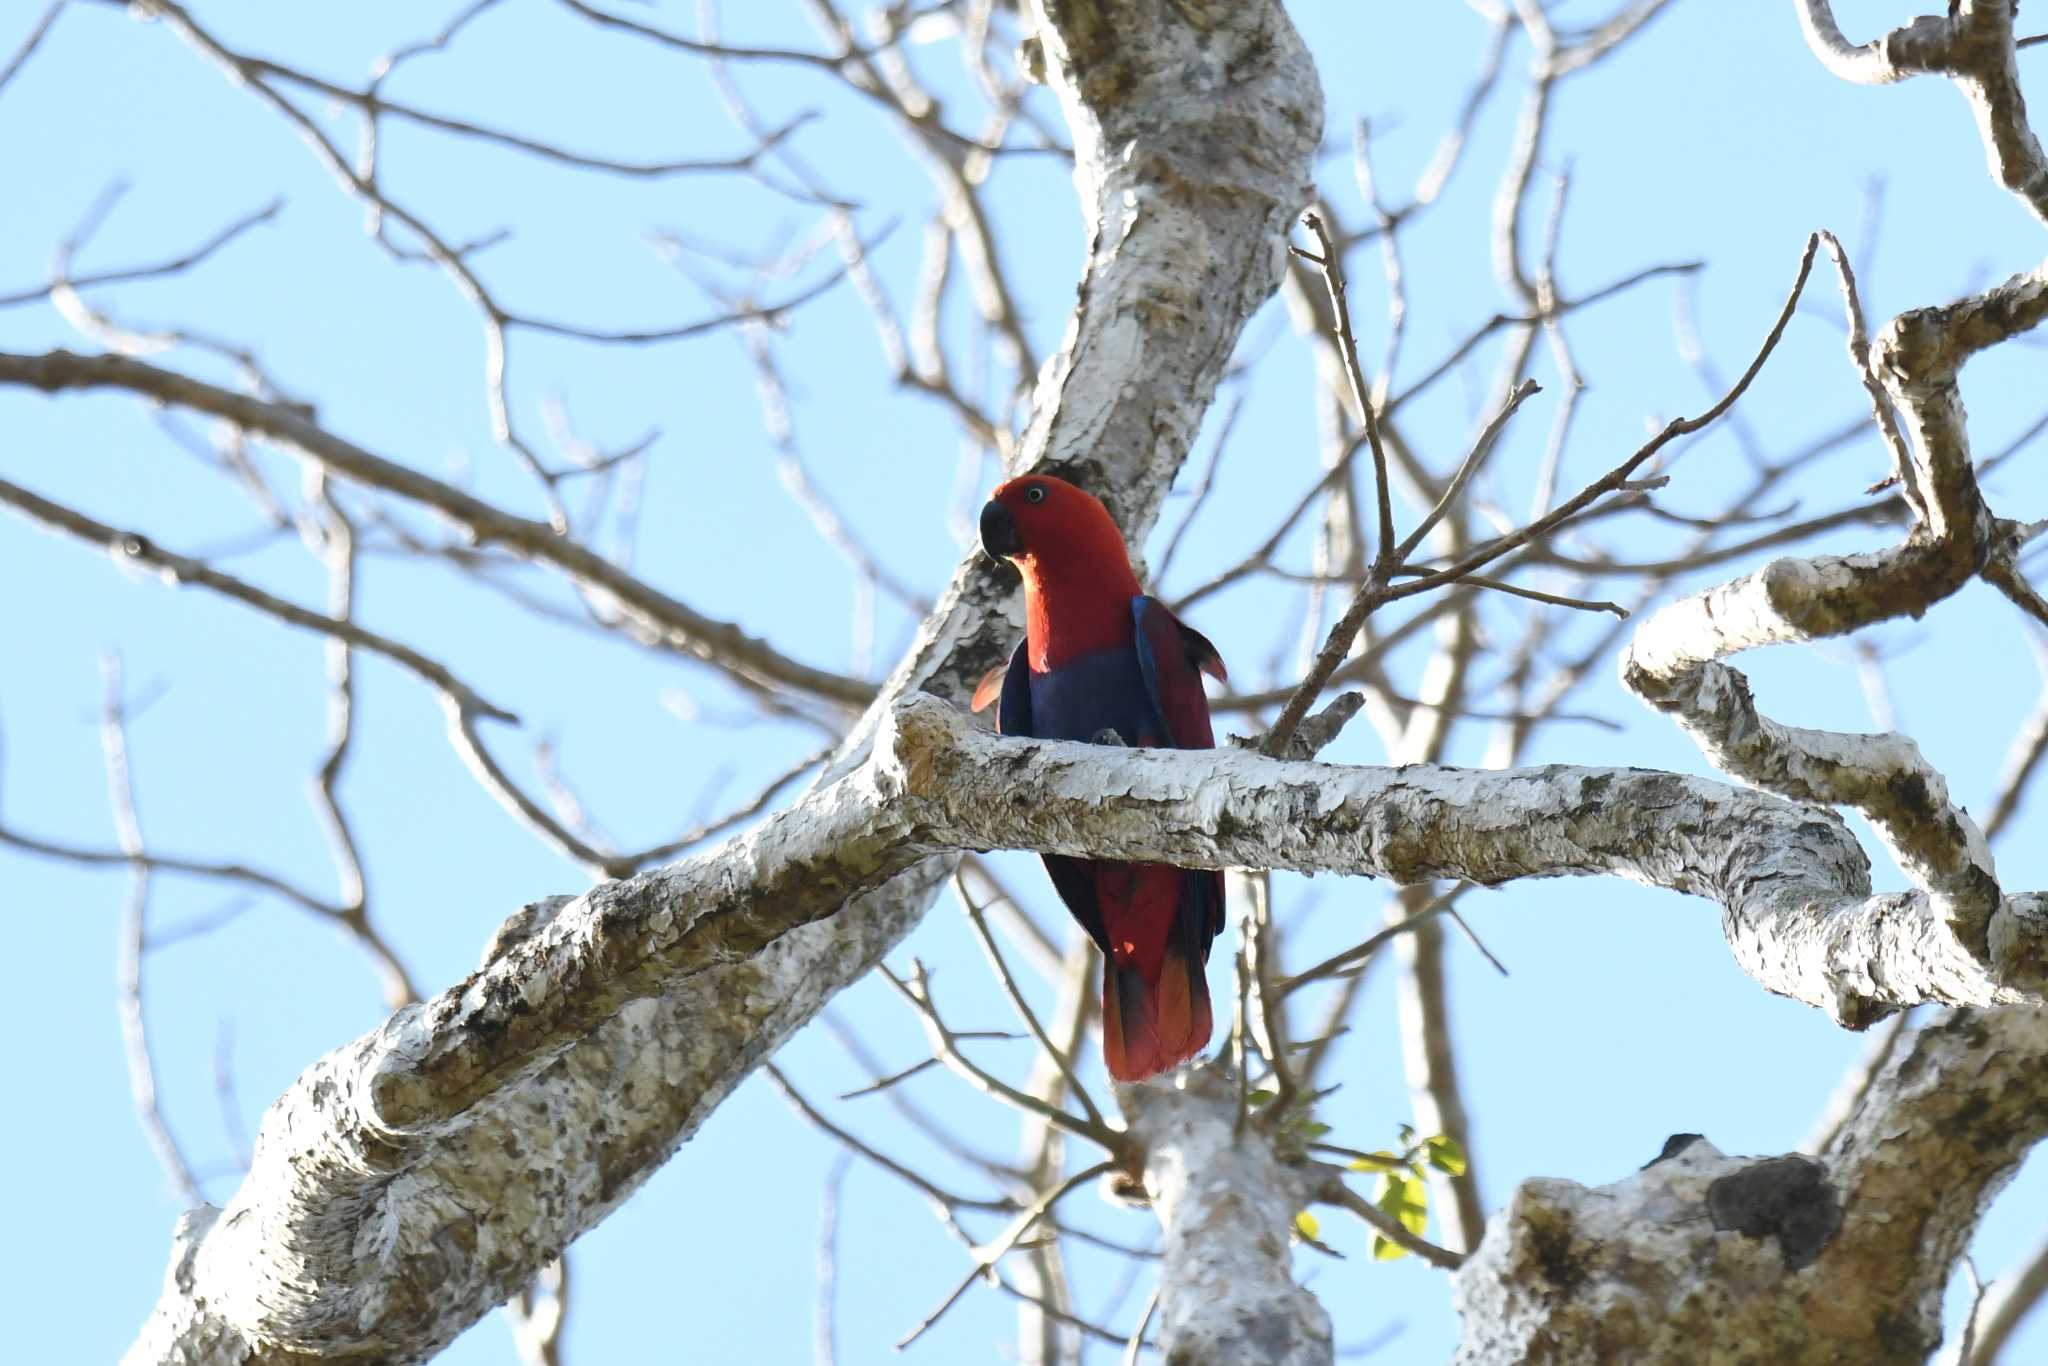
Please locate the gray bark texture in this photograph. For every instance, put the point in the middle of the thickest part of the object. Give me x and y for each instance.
(1700, 1257)
(449, 1099)
(415, 1178)
(1226, 1287)
(380, 1233)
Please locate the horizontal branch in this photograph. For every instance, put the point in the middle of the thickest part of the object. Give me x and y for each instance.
(288, 1262)
(1793, 884)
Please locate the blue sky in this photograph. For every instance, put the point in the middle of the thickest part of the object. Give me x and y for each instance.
(1714, 137)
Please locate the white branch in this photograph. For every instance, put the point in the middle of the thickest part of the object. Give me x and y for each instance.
(1673, 663)
(1976, 50)
(402, 1183)
(1880, 61)
(416, 1178)
(1792, 882)
(1226, 1288)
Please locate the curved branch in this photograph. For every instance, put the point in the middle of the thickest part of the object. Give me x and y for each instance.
(1674, 661)
(1976, 48)
(1881, 61)
(1198, 123)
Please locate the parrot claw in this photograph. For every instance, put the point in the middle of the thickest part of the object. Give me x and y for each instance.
(1108, 736)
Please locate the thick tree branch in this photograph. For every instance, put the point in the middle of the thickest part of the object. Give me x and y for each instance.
(375, 1129)
(1913, 366)
(1195, 123)
(1226, 1289)
(1793, 1260)
(1974, 47)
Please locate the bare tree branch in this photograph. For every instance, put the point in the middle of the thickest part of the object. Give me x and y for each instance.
(1239, 109)
(142, 1084)
(660, 617)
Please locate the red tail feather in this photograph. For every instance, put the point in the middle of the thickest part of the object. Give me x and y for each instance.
(1149, 1027)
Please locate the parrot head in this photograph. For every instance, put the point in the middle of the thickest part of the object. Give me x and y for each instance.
(1045, 525)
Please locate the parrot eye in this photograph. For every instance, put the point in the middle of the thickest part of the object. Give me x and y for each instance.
(1035, 493)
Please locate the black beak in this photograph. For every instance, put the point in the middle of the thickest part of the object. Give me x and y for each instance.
(999, 532)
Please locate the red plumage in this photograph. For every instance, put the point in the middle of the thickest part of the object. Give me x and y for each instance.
(1101, 658)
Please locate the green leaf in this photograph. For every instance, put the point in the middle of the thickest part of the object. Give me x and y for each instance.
(1305, 1223)
(1407, 1132)
(1386, 1250)
(1445, 1155)
(1406, 1199)
(1313, 1131)
(1375, 1162)
(1259, 1097)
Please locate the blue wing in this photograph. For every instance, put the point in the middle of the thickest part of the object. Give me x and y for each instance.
(1013, 711)
(1072, 878)
(1173, 658)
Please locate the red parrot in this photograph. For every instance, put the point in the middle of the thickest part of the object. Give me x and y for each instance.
(1102, 662)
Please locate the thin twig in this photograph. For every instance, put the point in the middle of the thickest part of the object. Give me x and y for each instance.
(1331, 262)
(1618, 478)
(1017, 1001)
(2029, 747)
(1477, 942)
(985, 1258)
(1489, 436)
(135, 548)
(1536, 595)
(134, 939)
(1333, 1191)
(173, 266)
(1137, 1342)
(2008, 1301)
(30, 43)
(1376, 590)
(1349, 958)
(945, 1043)
(1880, 401)
(940, 1196)
(825, 1310)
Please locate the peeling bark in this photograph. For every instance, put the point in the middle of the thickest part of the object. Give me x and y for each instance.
(413, 1180)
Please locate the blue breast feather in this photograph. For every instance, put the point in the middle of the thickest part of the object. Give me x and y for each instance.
(1148, 691)
(1104, 689)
